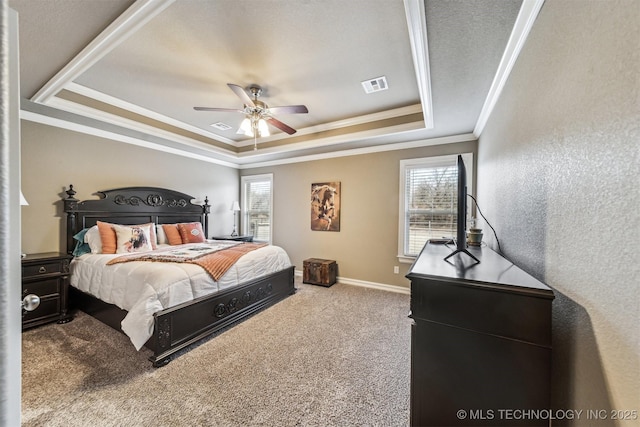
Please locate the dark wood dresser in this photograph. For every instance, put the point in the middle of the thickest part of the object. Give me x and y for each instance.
(47, 276)
(480, 341)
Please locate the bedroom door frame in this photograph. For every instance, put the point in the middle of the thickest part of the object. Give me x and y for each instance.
(10, 222)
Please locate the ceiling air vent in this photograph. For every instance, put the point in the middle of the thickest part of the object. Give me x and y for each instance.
(221, 126)
(375, 85)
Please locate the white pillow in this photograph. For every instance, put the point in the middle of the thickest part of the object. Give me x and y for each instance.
(160, 236)
(92, 237)
(133, 238)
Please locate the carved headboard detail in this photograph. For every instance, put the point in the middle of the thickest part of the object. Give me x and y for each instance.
(133, 205)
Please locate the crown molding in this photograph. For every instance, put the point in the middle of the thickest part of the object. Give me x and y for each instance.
(138, 14)
(416, 21)
(119, 103)
(333, 140)
(101, 116)
(230, 160)
(50, 120)
(524, 22)
(418, 143)
(353, 121)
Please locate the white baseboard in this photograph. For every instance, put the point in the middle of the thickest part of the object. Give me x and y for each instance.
(365, 284)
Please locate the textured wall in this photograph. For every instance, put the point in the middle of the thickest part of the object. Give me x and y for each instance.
(366, 247)
(53, 158)
(558, 179)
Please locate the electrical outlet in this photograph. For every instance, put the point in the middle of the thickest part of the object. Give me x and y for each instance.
(396, 269)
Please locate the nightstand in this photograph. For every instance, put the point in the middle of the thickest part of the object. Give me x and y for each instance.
(47, 276)
(236, 238)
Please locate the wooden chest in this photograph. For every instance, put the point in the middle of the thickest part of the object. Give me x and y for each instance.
(318, 271)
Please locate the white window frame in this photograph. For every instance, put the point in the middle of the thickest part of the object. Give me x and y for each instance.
(427, 162)
(244, 181)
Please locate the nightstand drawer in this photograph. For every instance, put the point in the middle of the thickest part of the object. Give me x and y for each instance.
(49, 308)
(43, 287)
(41, 268)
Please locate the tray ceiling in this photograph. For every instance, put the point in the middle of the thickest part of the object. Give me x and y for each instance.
(136, 69)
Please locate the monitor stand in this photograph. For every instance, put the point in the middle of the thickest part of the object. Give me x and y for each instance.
(462, 251)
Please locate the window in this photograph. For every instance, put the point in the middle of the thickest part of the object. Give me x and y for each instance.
(257, 203)
(428, 201)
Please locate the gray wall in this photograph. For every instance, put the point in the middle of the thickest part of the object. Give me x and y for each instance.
(366, 247)
(53, 158)
(558, 178)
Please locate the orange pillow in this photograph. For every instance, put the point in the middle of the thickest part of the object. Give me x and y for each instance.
(110, 241)
(108, 237)
(172, 233)
(191, 232)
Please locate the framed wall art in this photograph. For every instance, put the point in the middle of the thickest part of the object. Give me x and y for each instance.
(325, 206)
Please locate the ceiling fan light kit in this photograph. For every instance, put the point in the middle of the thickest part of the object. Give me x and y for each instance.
(258, 114)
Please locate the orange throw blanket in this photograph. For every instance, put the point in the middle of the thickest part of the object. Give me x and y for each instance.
(216, 263)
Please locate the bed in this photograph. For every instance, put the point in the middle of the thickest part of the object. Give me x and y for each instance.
(181, 322)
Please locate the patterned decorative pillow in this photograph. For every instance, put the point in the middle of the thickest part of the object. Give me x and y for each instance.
(172, 234)
(133, 238)
(109, 240)
(191, 232)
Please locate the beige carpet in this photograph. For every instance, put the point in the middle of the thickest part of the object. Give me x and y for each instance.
(336, 356)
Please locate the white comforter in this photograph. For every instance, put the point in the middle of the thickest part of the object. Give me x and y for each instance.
(143, 287)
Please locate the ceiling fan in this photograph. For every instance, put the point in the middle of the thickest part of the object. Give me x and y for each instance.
(257, 113)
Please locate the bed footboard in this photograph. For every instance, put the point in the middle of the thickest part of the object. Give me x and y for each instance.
(180, 326)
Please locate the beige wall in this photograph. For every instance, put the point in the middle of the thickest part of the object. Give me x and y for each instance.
(53, 158)
(366, 247)
(558, 176)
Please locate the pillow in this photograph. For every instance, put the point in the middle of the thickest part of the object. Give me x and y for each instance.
(172, 234)
(81, 246)
(92, 238)
(160, 236)
(108, 236)
(191, 232)
(133, 238)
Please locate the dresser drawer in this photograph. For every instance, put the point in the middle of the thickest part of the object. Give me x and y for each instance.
(41, 268)
(43, 287)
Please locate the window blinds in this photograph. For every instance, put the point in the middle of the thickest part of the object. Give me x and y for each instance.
(431, 204)
(259, 209)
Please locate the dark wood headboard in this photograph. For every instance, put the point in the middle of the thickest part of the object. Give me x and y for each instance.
(133, 205)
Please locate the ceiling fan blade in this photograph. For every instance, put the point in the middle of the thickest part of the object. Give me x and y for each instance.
(238, 90)
(277, 123)
(289, 109)
(230, 110)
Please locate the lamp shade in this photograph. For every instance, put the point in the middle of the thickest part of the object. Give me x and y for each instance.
(23, 201)
(263, 128)
(246, 127)
(235, 206)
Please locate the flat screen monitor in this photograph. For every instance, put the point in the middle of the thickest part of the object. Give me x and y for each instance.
(461, 220)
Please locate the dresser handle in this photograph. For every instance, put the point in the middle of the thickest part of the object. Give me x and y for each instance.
(42, 270)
